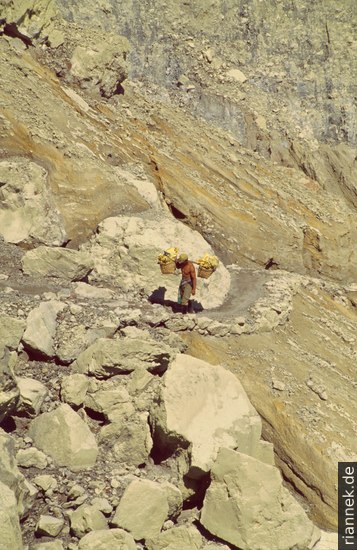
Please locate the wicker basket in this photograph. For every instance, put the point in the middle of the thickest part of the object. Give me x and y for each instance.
(168, 268)
(205, 273)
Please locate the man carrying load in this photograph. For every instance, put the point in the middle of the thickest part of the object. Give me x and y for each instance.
(188, 283)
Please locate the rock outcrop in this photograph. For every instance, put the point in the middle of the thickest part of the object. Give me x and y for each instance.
(177, 538)
(61, 263)
(32, 395)
(41, 328)
(107, 357)
(11, 331)
(11, 476)
(100, 64)
(100, 540)
(10, 532)
(9, 391)
(64, 436)
(124, 250)
(142, 509)
(28, 213)
(203, 408)
(247, 505)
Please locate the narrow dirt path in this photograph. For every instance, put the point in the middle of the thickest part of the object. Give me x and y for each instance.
(247, 286)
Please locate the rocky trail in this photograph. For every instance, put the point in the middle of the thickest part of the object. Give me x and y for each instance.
(99, 314)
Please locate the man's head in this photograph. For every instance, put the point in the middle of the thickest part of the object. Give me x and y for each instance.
(182, 259)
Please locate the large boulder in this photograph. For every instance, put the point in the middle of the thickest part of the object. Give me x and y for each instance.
(32, 396)
(61, 263)
(74, 388)
(33, 19)
(133, 443)
(70, 343)
(177, 538)
(87, 518)
(107, 400)
(27, 211)
(108, 357)
(11, 330)
(49, 545)
(41, 328)
(31, 458)
(125, 249)
(11, 476)
(203, 407)
(100, 64)
(9, 391)
(10, 532)
(247, 506)
(49, 526)
(106, 539)
(64, 436)
(143, 509)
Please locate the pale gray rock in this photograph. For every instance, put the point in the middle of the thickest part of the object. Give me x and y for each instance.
(247, 506)
(142, 510)
(74, 389)
(103, 505)
(116, 539)
(236, 328)
(107, 401)
(41, 328)
(203, 322)
(31, 457)
(124, 247)
(64, 436)
(100, 64)
(76, 491)
(265, 452)
(84, 290)
(25, 16)
(11, 476)
(32, 395)
(108, 357)
(328, 541)
(27, 210)
(237, 75)
(180, 323)
(158, 316)
(135, 332)
(216, 328)
(49, 526)
(177, 538)
(71, 344)
(11, 331)
(9, 391)
(117, 419)
(140, 380)
(10, 532)
(85, 519)
(49, 545)
(205, 407)
(174, 499)
(133, 443)
(278, 385)
(47, 483)
(61, 263)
